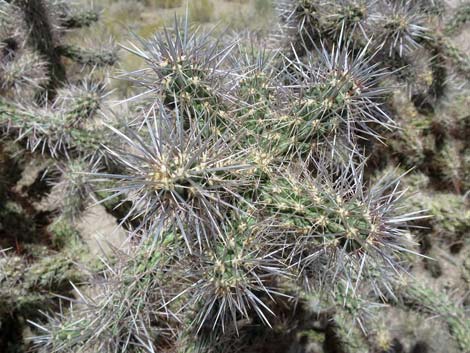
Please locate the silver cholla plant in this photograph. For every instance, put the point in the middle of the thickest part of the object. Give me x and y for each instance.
(234, 220)
(241, 175)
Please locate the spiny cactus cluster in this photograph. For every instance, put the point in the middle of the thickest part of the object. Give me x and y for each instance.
(46, 108)
(241, 174)
(236, 208)
(41, 106)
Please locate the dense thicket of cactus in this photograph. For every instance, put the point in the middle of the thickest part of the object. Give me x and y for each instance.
(46, 109)
(260, 188)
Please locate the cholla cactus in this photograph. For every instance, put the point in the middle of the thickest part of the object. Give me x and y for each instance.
(10, 19)
(50, 112)
(31, 69)
(30, 34)
(126, 313)
(245, 177)
(24, 71)
(259, 96)
(351, 17)
(173, 172)
(302, 22)
(396, 27)
(27, 287)
(184, 68)
(75, 188)
(428, 300)
(20, 67)
(335, 223)
(403, 27)
(233, 278)
(60, 129)
(339, 97)
(209, 190)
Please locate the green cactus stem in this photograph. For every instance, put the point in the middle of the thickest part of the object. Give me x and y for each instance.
(80, 19)
(87, 57)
